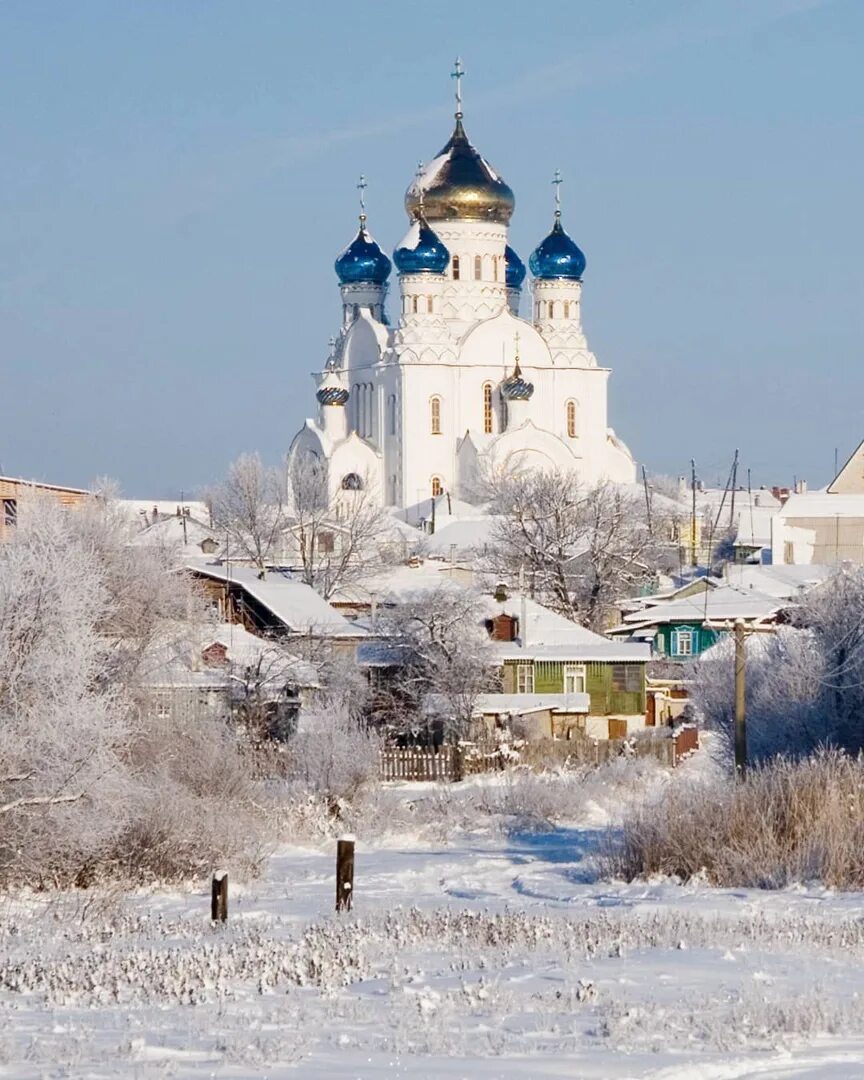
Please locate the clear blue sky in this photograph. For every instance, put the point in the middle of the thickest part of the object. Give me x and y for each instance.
(177, 178)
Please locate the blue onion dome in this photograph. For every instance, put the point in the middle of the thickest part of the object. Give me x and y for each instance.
(331, 390)
(460, 185)
(362, 261)
(515, 387)
(515, 269)
(421, 250)
(557, 256)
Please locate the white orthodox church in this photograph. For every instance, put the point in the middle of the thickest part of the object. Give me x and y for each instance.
(463, 385)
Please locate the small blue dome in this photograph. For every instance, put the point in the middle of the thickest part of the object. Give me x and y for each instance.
(515, 269)
(421, 252)
(515, 387)
(332, 395)
(557, 256)
(362, 261)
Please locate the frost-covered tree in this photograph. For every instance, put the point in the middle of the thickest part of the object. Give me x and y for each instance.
(340, 537)
(79, 798)
(804, 684)
(250, 508)
(579, 550)
(441, 660)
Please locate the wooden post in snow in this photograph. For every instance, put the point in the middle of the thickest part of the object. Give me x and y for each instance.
(219, 897)
(740, 701)
(344, 873)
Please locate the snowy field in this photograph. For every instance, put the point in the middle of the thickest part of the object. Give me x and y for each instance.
(489, 954)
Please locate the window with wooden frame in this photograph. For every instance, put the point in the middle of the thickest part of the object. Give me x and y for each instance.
(487, 408)
(10, 512)
(454, 262)
(574, 678)
(682, 642)
(626, 678)
(524, 678)
(437, 487)
(572, 429)
(326, 543)
(435, 415)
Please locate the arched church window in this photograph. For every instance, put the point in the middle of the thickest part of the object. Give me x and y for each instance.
(391, 409)
(455, 264)
(352, 482)
(566, 309)
(437, 487)
(478, 268)
(415, 303)
(356, 310)
(487, 408)
(435, 415)
(572, 429)
(430, 305)
(495, 267)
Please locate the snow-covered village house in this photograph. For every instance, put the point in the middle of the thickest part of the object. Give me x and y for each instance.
(463, 383)
(224, 672)
(17, 494)
(823, 526)
(277, 606)
(589, 684)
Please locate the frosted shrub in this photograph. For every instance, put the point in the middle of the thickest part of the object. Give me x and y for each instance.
(333, 756)
(787, 822)
(194, 807)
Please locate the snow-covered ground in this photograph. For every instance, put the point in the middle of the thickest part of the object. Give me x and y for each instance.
(490, 955)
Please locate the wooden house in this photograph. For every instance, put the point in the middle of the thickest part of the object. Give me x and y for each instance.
(15, 494)
(586, 681)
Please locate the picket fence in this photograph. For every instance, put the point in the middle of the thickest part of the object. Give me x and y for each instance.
(448, 763)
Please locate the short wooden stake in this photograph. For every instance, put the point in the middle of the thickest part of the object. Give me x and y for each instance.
(344, 873)
(219, 897)
(740, 700)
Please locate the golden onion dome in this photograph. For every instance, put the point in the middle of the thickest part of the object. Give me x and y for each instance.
(460, 185)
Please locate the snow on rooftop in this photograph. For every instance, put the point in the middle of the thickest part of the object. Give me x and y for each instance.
(822, 504)
(295, 604)
(783, 582)
(463, 536)
(138, 509)
(723, 603)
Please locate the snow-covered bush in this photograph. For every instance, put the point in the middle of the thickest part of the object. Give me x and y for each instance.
(333, 756)
(78, 610)
(788, 821)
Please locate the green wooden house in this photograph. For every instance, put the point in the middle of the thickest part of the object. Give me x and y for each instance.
(614, 686)
(541, 652)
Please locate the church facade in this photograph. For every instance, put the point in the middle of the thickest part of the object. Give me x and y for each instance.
(473, 378)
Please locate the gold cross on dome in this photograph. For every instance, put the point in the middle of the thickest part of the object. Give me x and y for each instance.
(557, 182)
(457, 73)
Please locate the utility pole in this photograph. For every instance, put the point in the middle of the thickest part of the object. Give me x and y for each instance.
(734, 485)
(647, 501)
(694, 558)
(183, 519)
(740, 707)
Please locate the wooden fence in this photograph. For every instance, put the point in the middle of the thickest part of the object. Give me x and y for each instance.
(455, 763)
